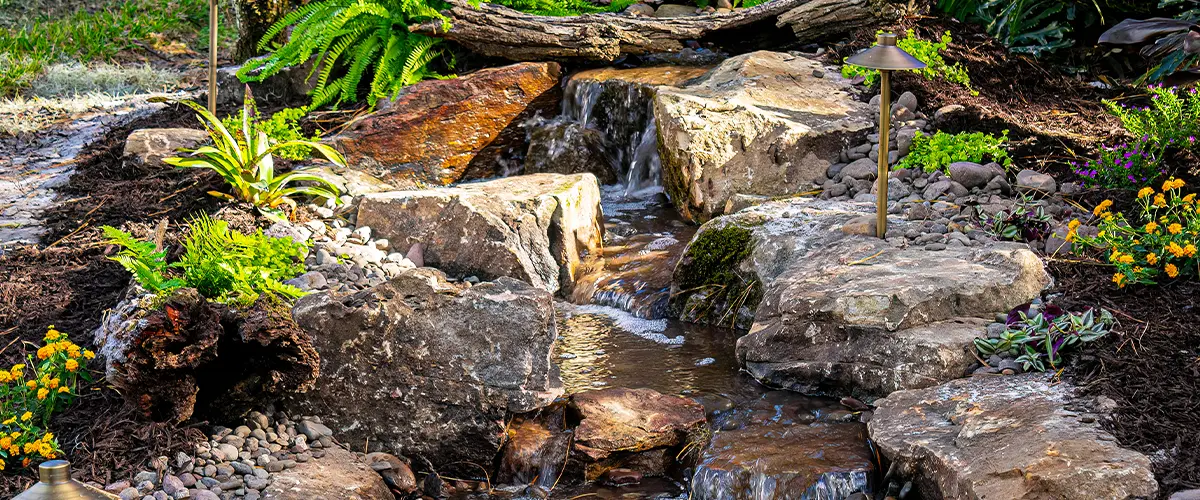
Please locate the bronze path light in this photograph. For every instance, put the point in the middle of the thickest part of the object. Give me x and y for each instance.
(886, 57)
(212, 57)
(56, 484)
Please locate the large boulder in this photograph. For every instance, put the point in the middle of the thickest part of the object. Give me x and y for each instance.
(536, 228)
(145, 148)
(443, 131)
(1005, 437)
(638, 429)
(762, 123)
(183, 355)
(339, 475)
(424, 367)
(567, 147)
(834, 311)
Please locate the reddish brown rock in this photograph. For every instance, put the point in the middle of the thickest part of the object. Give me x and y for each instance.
(339, 475)
(637, 429)
(443, 131)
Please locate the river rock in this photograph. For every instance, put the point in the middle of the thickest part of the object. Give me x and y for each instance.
(760, 123)
(339, 475)
(146, 148)
(189, 355)
(536, 228)
(1005, 437)
(563, 147)
(425, 367)
(1032, 180)
(862, 169)
(622, 427)
(443, 131)
(772, 449)
(847, 312)
(348, 180)
(971, 174)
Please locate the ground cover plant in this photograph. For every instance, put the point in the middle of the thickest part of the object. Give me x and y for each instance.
(224, 265)
(281, 126)
(937, 152)
(1122, 166)
(32, 392)
(1159, 240)
(1172, 120)
(1038, 337)
(928, 52)
(1025, 221)
(245, 162)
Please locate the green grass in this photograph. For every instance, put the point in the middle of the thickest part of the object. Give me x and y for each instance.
(35, 34)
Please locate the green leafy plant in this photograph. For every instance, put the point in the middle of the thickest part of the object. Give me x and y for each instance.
(224, 265)
(283, 126)
(1172, 120)
(1038, 340)
(1035, 27)
(248, 166)
(1121, 166)
(1025, 221)
(1173, 43)
(928, 52)
(937, 152)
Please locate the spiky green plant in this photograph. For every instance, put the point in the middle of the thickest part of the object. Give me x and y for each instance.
(143, 260)
(248, 167)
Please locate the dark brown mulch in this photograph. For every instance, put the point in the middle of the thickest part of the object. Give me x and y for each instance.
(70, 282)
(1149, 365)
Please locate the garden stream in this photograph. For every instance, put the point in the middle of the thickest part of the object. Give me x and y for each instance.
(616, 333)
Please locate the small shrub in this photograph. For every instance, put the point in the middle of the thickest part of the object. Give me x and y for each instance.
(937, 152)
(1025, 221)
(928, 52)
(248, 167)
(29, 399)
(224, 265)
(1161, 239)
(1172, 120)
(1038, 340)
(1123, 166)
(283, 126)
(1035, 27)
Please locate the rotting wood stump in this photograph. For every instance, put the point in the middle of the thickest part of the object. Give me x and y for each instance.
(191, 356)
(498, 31)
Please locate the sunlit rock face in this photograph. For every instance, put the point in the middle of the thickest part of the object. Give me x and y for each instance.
(1005, 437)
(763, 123)
(444, 131)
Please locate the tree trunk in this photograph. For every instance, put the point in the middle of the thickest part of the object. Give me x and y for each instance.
(253, 18)
(498, 31)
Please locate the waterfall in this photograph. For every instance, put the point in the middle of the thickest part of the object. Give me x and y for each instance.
(623, 111)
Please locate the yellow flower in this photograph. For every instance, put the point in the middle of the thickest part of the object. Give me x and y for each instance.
(1151, 227)
(2, 464)
(26, 416)
(1125, 259)
(1172, 271)
(17, 434)
(72, 365)
(1102, 207)
(64, 389)
(1175, 228)
(52, 335)
(1073, 225)
(10, 421)
(42, 393)
(4, 376)
(30, 447)
(53, 384)
(88, 354)
(1189, 250)
(18, 370)
(48, 436)
(1175, 249)
(32, 384)
(45, 352)
(1151, 258)
(1190, 198)
(1119, 279)
(1146, 191)
(5, 442)
(1160, 200)
(46, 450)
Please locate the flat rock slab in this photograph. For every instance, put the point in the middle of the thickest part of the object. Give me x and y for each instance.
(536, 228)
(762, 123)
(622, 419)
(444, 131)
(146, 147)
(1005, 437)
(421, 366)
(838, 311)
(779, 448)
(339, 475)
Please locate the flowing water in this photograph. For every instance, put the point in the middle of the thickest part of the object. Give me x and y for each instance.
(615, 332)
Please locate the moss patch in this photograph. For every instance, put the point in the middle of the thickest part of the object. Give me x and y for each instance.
(712, 289)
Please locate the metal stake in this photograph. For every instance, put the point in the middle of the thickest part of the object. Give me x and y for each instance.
(212, 57)
(885, 123)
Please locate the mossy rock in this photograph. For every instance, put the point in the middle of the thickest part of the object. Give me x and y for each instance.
(711, 282)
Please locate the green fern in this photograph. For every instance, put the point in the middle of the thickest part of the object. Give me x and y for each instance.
(142, 259)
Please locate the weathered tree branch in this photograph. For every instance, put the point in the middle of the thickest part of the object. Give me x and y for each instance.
(502, 32)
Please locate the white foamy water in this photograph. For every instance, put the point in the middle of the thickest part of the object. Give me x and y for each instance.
(649, 329)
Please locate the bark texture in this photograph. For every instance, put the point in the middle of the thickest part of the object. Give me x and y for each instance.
(253, 18)
(502, 32)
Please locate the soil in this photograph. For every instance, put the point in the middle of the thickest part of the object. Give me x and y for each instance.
(70, 282)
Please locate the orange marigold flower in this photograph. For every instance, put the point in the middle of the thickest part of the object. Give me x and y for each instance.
(1151, 258)
(1102, 207)
(1146, 191)
(1073, 225)
(1151, 227)
(1125, 259)
(25, 417)
(1172, 271)
(64, 389)
(32, 384)
(42, 393)
(1190, 198)
(1119, 279)
(1189, 250)
(1160, 200)
(53, 383)
(72, 365)
(1175, 249)
(1175, 228)
(88, 354)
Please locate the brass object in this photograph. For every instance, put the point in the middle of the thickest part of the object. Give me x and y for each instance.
(212, 57)
(56, 484)
(886, 57)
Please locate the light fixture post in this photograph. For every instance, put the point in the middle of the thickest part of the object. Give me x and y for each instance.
(212, 57)
(886, 57)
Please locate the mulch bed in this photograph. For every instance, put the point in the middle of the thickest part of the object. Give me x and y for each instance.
(70, 282)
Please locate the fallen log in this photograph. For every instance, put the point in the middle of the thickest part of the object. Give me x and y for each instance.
(498, 31)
